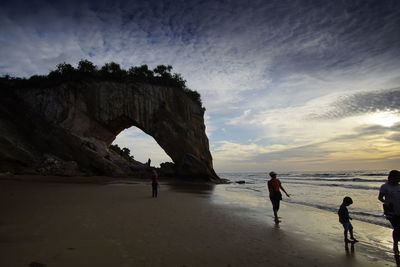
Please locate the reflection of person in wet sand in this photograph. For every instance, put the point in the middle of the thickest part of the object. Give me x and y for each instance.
(389, 194)
(344, 219)
(275, 195)
(349, 252)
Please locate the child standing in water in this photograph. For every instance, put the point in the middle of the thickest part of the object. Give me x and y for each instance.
(154, 183)
(344, 219)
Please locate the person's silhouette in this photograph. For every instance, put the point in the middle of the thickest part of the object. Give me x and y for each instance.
(344, 219)
(154, 183)
(275, 195)
(389, 195)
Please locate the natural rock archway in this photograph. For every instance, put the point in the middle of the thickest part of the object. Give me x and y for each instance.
(142, 147)
(84, 119)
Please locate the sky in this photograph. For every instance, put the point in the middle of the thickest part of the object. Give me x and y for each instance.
(288, 85)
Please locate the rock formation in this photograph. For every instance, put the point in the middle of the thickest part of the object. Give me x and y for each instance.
(72, 125)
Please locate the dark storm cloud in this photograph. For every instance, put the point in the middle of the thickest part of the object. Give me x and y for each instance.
(365, 102)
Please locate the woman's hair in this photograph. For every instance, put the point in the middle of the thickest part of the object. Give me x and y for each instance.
(394, 174)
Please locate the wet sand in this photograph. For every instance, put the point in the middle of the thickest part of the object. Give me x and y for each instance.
(81, 224)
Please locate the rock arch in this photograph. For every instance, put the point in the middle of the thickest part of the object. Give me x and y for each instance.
(95, 113)
(142, 146)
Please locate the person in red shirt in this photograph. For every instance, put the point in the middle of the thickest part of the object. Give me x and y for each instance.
(275, 195)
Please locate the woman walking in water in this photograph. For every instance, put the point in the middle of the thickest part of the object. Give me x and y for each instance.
(389, 194)
(275, 195)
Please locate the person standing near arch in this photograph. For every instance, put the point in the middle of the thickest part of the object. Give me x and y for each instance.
(275, 195)
(389, 195)
(154, 183)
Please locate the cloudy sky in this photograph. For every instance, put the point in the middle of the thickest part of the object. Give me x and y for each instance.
(288, 85)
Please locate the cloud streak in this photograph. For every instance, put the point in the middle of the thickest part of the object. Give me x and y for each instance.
(364, 102)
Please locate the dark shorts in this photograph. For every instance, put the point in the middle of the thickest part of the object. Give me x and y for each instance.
(275, 200)
(347, 226)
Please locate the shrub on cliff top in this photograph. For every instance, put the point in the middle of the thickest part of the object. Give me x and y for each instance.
(87, 71)
(123, 152)
(85, 66)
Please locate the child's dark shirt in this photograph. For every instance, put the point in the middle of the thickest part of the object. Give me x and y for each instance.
(343, 214)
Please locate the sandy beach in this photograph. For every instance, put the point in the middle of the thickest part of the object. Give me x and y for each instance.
(113, 224)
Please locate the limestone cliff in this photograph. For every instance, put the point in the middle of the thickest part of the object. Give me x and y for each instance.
(73, 125)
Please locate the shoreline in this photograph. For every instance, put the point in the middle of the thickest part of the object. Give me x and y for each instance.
(74, 224)
(67, 179)
(319, 226)
(101, 180)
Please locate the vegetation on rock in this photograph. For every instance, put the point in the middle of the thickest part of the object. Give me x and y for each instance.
(123, 152)
(86, 71)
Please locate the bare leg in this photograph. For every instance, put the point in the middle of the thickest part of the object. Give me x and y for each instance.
(276, 215)
(352, 236)
(275, 208)
(395, 221)
(346, 240)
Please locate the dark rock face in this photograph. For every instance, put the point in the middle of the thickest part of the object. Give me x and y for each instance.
(76, 123)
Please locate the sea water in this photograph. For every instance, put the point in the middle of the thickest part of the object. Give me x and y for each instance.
(323, 190)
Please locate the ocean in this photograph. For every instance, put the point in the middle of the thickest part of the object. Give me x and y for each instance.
(323, 190)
